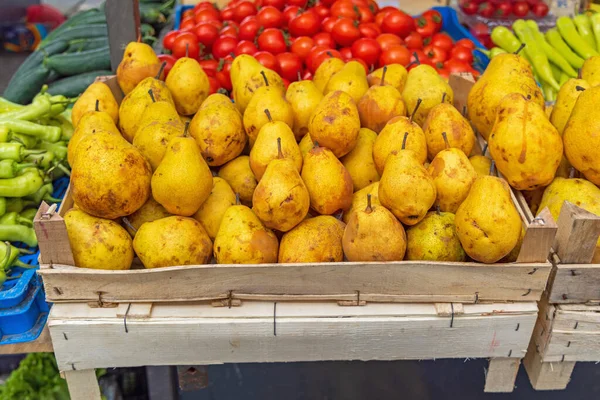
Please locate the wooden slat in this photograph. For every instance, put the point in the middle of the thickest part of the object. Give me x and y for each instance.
(123, 18)
(576, 283)
(461, 84)
(83, 385)
(577, 235)
(546, 375)
(501, 375)
(538, 239)
(52, 236)
(43, 344)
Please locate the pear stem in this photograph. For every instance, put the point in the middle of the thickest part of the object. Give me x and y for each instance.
(268, 114)
(237, 199)
(329, 54)
(579, 73)
(160, 71)
(579, 88)
(279, 152)
(404, 140)
(438, 210)
(444, 97)
(493, 168)
(187, 50)
(464, 111)
(127, 223)
(185, 129)
(383, 75)
(417, 58)
(412, 115)
(446, 140)
(97, 105)
(299, 76)
(485, 147)
(521, 47)
(151, 95)
(571, 173)
(315, 144)
(369, 208)
(265, 77)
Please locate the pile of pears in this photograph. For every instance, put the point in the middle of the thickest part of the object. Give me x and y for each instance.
(348, 166)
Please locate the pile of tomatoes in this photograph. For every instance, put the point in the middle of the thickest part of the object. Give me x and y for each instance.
(293, 37)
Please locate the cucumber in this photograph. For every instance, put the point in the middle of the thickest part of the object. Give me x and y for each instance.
(69, 64)
(75, 85)
(23, 90)
(84, 31)
(87, 44)
(74, 20)
(147, 30)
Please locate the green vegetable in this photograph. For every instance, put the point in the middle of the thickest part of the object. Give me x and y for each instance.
(87, 44)
(44, 193)
(26, 87)
(548, 90)
(563, 78)
(556, 40)
(40, 106)
(29, 142)
(84, 31)
(18, 204)
(6, 106)
(595, 20)
(552, 54)
(5, 134)
(18, 233)
(37, 377)
(504, 38)
(15, 151)
(569, 33)
(78, 63)
(13, 218)
(23, 185)
(59, 149)
(9, 258)
(43, 132)
(29, 213)
(43, 160)
(75, 85)
(2, 206)
(495, 51)
(10, 168)
(584, 27)
(76, 19)
(65, 125)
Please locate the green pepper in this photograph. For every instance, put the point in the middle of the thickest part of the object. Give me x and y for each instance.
(59, 149)
(504, 38)
(535, 52)
(43, 132)
(8, 106)
(10, 257)
(552, 54)
(43, 193)
(59, 105)
(64, 124)
(18, 204)
(595, 20)
(38, 108)
(563, 79)
(555, 39)
(584, 27)
(548, 90)
(2, 206)
(495, 51)
(5, 134)
(29, 142)
(16, 151)
(18, 233)
(13, 218)
(569, 33)
(29, 213)
(43, 160)
(23, 185)
(10, 168)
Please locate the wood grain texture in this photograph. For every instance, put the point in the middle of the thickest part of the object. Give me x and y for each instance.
(576, 283)
(43, 344)
(577, 235)
(53, 239)
(501, 375)
(538, 239)
(83, 384)
(546, 375)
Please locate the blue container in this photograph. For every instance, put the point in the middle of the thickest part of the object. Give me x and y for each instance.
(179, 10)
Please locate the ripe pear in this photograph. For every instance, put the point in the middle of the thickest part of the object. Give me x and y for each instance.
(565, 101)
(327, 180)
(326, 70)
(210, 214)
(590, 71)
(453, 175)
(506, 73)
(304, 97)
(359, 200)
(97, 91)
(380, 104)
(172, 241)
(526, 147)
(351, 79)
(247, 75)
(394, 76)
(110, 178)
(218, 130)
(243, 239)
(266, 98)
(514, 253)
(481, 164)
(305, 145)
(390, 140)
(359, 162)
(188, 85)
(218, 99)
(361, 244)
(424, 83)
(240, 177)
(335, 123)
(434, 239)
(265, 148)
(150, 211)
(445, 118)
(313, 240)
(487, 222)
(160, 123)
(134, 104)
(139, 62)
(405, 188)
(281, 199)
(581, 139)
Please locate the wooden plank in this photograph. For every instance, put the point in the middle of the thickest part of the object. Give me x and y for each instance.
(83, 384)
(194, 334)
(52, 236)
(501, 375)
(461, 84)
(123, 17)
(43, 344)
(576, 283)
(546, 375)
(577, 235)
(538, 239)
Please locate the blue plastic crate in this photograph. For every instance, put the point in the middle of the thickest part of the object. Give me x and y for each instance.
(179, 10)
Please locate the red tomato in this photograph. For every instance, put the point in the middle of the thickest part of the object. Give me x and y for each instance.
(361, 62)
(387, 40)
(414, 41)
(243, 10)
(453, 66)
(418, 57)
(463, 54)
(321, 11)
(346, 53)
(312, 56)
(272, 40)
(245, 47)
(269, 17)
(209, 66)
(328, 3)
(248, 29)
(213, 85)
(398, 22)
(169, 39)
(520, 8)
(382, 13)
(223, 46)
(469, 7)
(207, 14)
(503, 9)
(202, 5)
(267, 59)
(186, 42)
(442, 41)
(425, 27)
(187, 24)
(435, 17)
(188, 14)
(299, 3)
(395, 55)
(443, 72)
(290, 66)
(540, 9)
(301, 46)
(369, 30)
(305, 24)
(345, 8)
(324, 39)
(290, 13)
(278, 4)
(229, 30)
(207, 34)
(465, 43)
(170, 61)
(435, 54)
(223, 72)
(216, 24)
(227, 13)
(487, 9)
(324, 55)
(345, 32)
(328, 24)
(367, 50)
(307, 75)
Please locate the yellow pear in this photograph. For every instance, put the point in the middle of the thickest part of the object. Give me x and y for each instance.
(304, 97)
(305, 145)
(565, 101)
(590, 71)
(481, 164)
(211, 212)
(265, 148)
(425, 84)
(327, 180)
(351, 79)
(359, 200)
(581, 138)
(217, 128)
(313, 240)
(395, 76)
(359, 162)
(188, 85)
(240, 177)
(281, 199)
(374, 234)
(98, 243)
(514, 253)
(182, 180)
(453, 175)
(487, 222)
(434, 239)
(335, 123)
(506, 73)
(445, 118)
(326, 70)
(243, 239)
(247, 75)
(150, 211)
(96, 92)
(405, 188)
(139, 62)
(110, 178)
(526, 147)
(380, 104)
